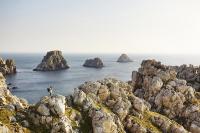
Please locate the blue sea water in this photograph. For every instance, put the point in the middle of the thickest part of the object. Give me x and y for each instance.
(32, 85)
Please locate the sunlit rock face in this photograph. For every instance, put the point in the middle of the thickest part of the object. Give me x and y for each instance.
(11, 110)
(161, 87)
(7, 66)
(53, 61)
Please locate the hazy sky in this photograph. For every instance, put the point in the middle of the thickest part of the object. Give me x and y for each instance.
(100, 26)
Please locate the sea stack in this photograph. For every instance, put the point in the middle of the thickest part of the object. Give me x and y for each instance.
(124, 58)
(96, 63)
(7, 66)
(53, 61)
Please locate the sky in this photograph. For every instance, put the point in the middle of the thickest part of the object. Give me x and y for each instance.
(100, 26)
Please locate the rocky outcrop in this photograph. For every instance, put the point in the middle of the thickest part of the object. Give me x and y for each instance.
(49, 115)
(124, 58)
(189, 73)
(53, 61)
(12, 109)
(158, 84)
(103, 106)
(96, 63)
(7, 66)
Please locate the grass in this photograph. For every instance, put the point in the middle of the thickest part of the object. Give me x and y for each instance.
(5, 115)
(68, 113)
(146, 123)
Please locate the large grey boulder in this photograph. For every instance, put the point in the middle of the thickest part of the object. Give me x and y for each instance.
(53, 61)
(124, 58)
(96, 63)
(54, 105)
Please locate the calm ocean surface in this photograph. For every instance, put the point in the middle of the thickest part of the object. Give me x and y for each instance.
(32, 85)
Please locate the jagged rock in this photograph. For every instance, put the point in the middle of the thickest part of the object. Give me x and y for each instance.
(63, 126)
(102, 122)
(189, 73)
(167, 126)
(96, 63)
(79, 97)
(52, 104)
(167, 94)
(7, 67)
(194, 128)
(124, 58)
(139, 104)
(112, 92)
(134, 127)
(43, 110)
(7, 98)
(50, 113)
(53, 61)
(8, 108)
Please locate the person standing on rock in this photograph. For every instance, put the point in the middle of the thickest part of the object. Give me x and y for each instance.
(50, 90)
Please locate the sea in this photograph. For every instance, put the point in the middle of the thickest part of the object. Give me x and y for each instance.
(32, 85)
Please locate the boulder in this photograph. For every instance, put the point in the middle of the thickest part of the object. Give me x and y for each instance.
(54, 105)
(124, 58)
(53, 61)
(7, 67)
(102, 122)
(95, 63)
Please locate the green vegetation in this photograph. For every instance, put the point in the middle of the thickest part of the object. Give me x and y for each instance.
(146, 123)
(69, 112)
(5, 115)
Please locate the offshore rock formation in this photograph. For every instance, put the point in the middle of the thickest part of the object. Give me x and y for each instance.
(124, 58)
(7, 66)
(53, 61)
(96, 63)
(158, 85)
(189, 73)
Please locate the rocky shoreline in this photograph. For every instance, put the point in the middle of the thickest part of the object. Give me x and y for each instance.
(158, 99)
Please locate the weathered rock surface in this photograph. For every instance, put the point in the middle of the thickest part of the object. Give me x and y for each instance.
(96, 63)
(124, 58)
(7, 66)
(53, 61)
(158, 84)
(189, 73)
(50, 114)
(10, 106)
(111, 97)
